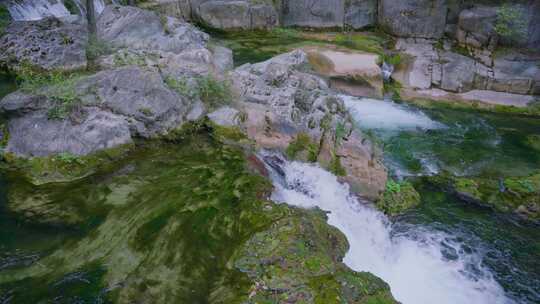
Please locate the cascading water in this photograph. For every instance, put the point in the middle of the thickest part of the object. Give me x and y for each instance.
(415, 267)
(27, 10)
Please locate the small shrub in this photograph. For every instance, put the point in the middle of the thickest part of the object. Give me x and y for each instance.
(69, 158)
(96, 48)
(211, 91)
(511, 23)
(393, 187)
(57, 86)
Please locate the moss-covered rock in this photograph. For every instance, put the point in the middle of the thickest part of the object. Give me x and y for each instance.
(398, 197)
(533, 141)
(298, 260)
(64, 167)
(519, 195)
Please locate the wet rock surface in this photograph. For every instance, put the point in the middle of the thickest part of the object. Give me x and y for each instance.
(287, 107)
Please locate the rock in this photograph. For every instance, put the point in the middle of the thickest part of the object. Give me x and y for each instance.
(139, 94)
(137, 29)
(109, 109)
(413, 18)
(235, 14)
(355, 73)
(263, 16)
(226, 15)
(416, 70)
(534, 26)
(398, 198)
(223, 59)
(225, 117)
(360, 13)
(48, 44)
(272, 258)
(519, 195)
(489, 98)
(457, 72)
(533, 141)
(476, 27)
(180, 9)
(515, 73)
(314, 14)
(290, 110)
(37, 135)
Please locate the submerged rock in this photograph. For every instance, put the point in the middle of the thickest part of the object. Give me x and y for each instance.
(519, 195)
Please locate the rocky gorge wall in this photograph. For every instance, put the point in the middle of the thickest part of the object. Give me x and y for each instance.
(409, 18)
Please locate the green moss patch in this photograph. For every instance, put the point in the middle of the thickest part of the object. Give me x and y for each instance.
(398, 197)
(303, 148)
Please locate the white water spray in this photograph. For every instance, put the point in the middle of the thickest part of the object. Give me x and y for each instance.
(28, 10)
(379, 114)
(415, 269)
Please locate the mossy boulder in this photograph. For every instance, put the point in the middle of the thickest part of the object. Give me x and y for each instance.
(299, 260)
(519, 195)
(533, 141)
(398, 197)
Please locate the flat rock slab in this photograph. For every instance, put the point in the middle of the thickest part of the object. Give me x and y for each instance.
(355, 73)
(487, 97)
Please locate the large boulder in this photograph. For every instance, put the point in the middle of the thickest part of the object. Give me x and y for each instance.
(534, 26)
(476, 27)
(314, 14)
(413, 18)
(37, 135)
(294, 111)
(352, 72)
(360, 13)
(235, 14)
(49, 44)
(106, 110)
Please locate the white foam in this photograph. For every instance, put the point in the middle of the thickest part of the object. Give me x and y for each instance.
(415, 269)
(386, 115)
(28, 10)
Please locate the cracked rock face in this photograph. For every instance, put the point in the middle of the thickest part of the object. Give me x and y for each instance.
(320, 13)
(236, 14)
(414, 18)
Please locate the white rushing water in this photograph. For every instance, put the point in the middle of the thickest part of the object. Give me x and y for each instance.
(387, 115)
(415, 268)
(27, 10)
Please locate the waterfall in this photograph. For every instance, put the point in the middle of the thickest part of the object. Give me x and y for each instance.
(387, 70)
(412, 264)
(26, 10)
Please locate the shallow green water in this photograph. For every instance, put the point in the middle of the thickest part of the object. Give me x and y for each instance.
(163, 224)
(471, 143)
(476, 145)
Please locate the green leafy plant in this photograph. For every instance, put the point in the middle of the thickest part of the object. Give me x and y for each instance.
(511, 22)
(69, 158)
(96, 48)
(393, 186)
(57, 86)
(211, 91)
